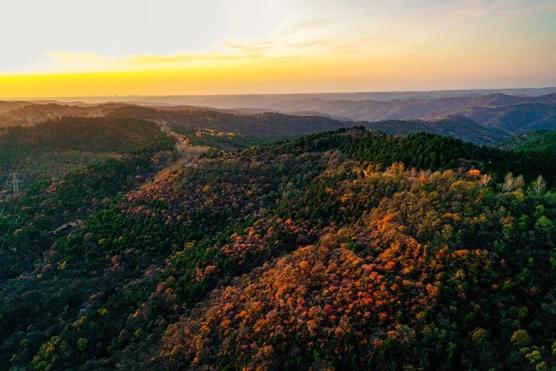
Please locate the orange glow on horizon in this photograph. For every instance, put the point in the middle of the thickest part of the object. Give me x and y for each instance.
(260, 75)
(273, 46)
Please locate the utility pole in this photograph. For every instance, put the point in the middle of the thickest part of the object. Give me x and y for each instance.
(15, 184)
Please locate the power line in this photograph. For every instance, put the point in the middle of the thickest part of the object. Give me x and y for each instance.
(15, 194)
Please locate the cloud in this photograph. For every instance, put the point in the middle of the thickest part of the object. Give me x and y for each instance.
(254, 49)
(506, 8)
(177, 59)
(231, 52)
(67, 61)
(305, 26)
(292, 40)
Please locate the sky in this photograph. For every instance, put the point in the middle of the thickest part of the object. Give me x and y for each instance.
(63, 48)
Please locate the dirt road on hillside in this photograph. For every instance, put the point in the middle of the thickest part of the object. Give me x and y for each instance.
(187, 151)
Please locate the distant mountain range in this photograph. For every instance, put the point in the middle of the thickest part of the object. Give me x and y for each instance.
(472, 116)
(244, 100)
(511, 113)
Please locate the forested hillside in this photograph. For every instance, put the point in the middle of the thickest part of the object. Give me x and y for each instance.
(56, 147)
(538, 142)
(346, 249)
(241, 128)
(458, 127)
(64, 169)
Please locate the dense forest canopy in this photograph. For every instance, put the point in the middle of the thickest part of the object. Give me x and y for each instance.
(540, 143)
(350, 248)
(56, 147)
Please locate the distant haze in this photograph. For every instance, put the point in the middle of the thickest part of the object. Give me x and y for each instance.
(366, 106)
(259, 100)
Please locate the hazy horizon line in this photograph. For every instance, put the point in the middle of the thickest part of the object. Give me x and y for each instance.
(278, 94)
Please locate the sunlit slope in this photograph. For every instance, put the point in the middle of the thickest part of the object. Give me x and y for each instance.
(322, 251)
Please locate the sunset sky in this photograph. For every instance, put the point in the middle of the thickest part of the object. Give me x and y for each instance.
(62, 48)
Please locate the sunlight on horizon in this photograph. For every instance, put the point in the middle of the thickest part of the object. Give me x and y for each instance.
(248, 46)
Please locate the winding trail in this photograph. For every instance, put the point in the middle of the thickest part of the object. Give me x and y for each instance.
(187, 151)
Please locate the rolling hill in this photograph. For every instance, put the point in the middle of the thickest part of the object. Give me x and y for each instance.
(459, 127)
(479, 118)
(516, 119)
(237, 128)
(7, 106)
(512, 111)
(541, 144)
(323, 251)
(534, 142)
(272, 126)
(55, 147)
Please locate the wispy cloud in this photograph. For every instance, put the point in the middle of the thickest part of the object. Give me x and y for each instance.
(254, 49)
(293, 39)
(506, 8)
(177, 59)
